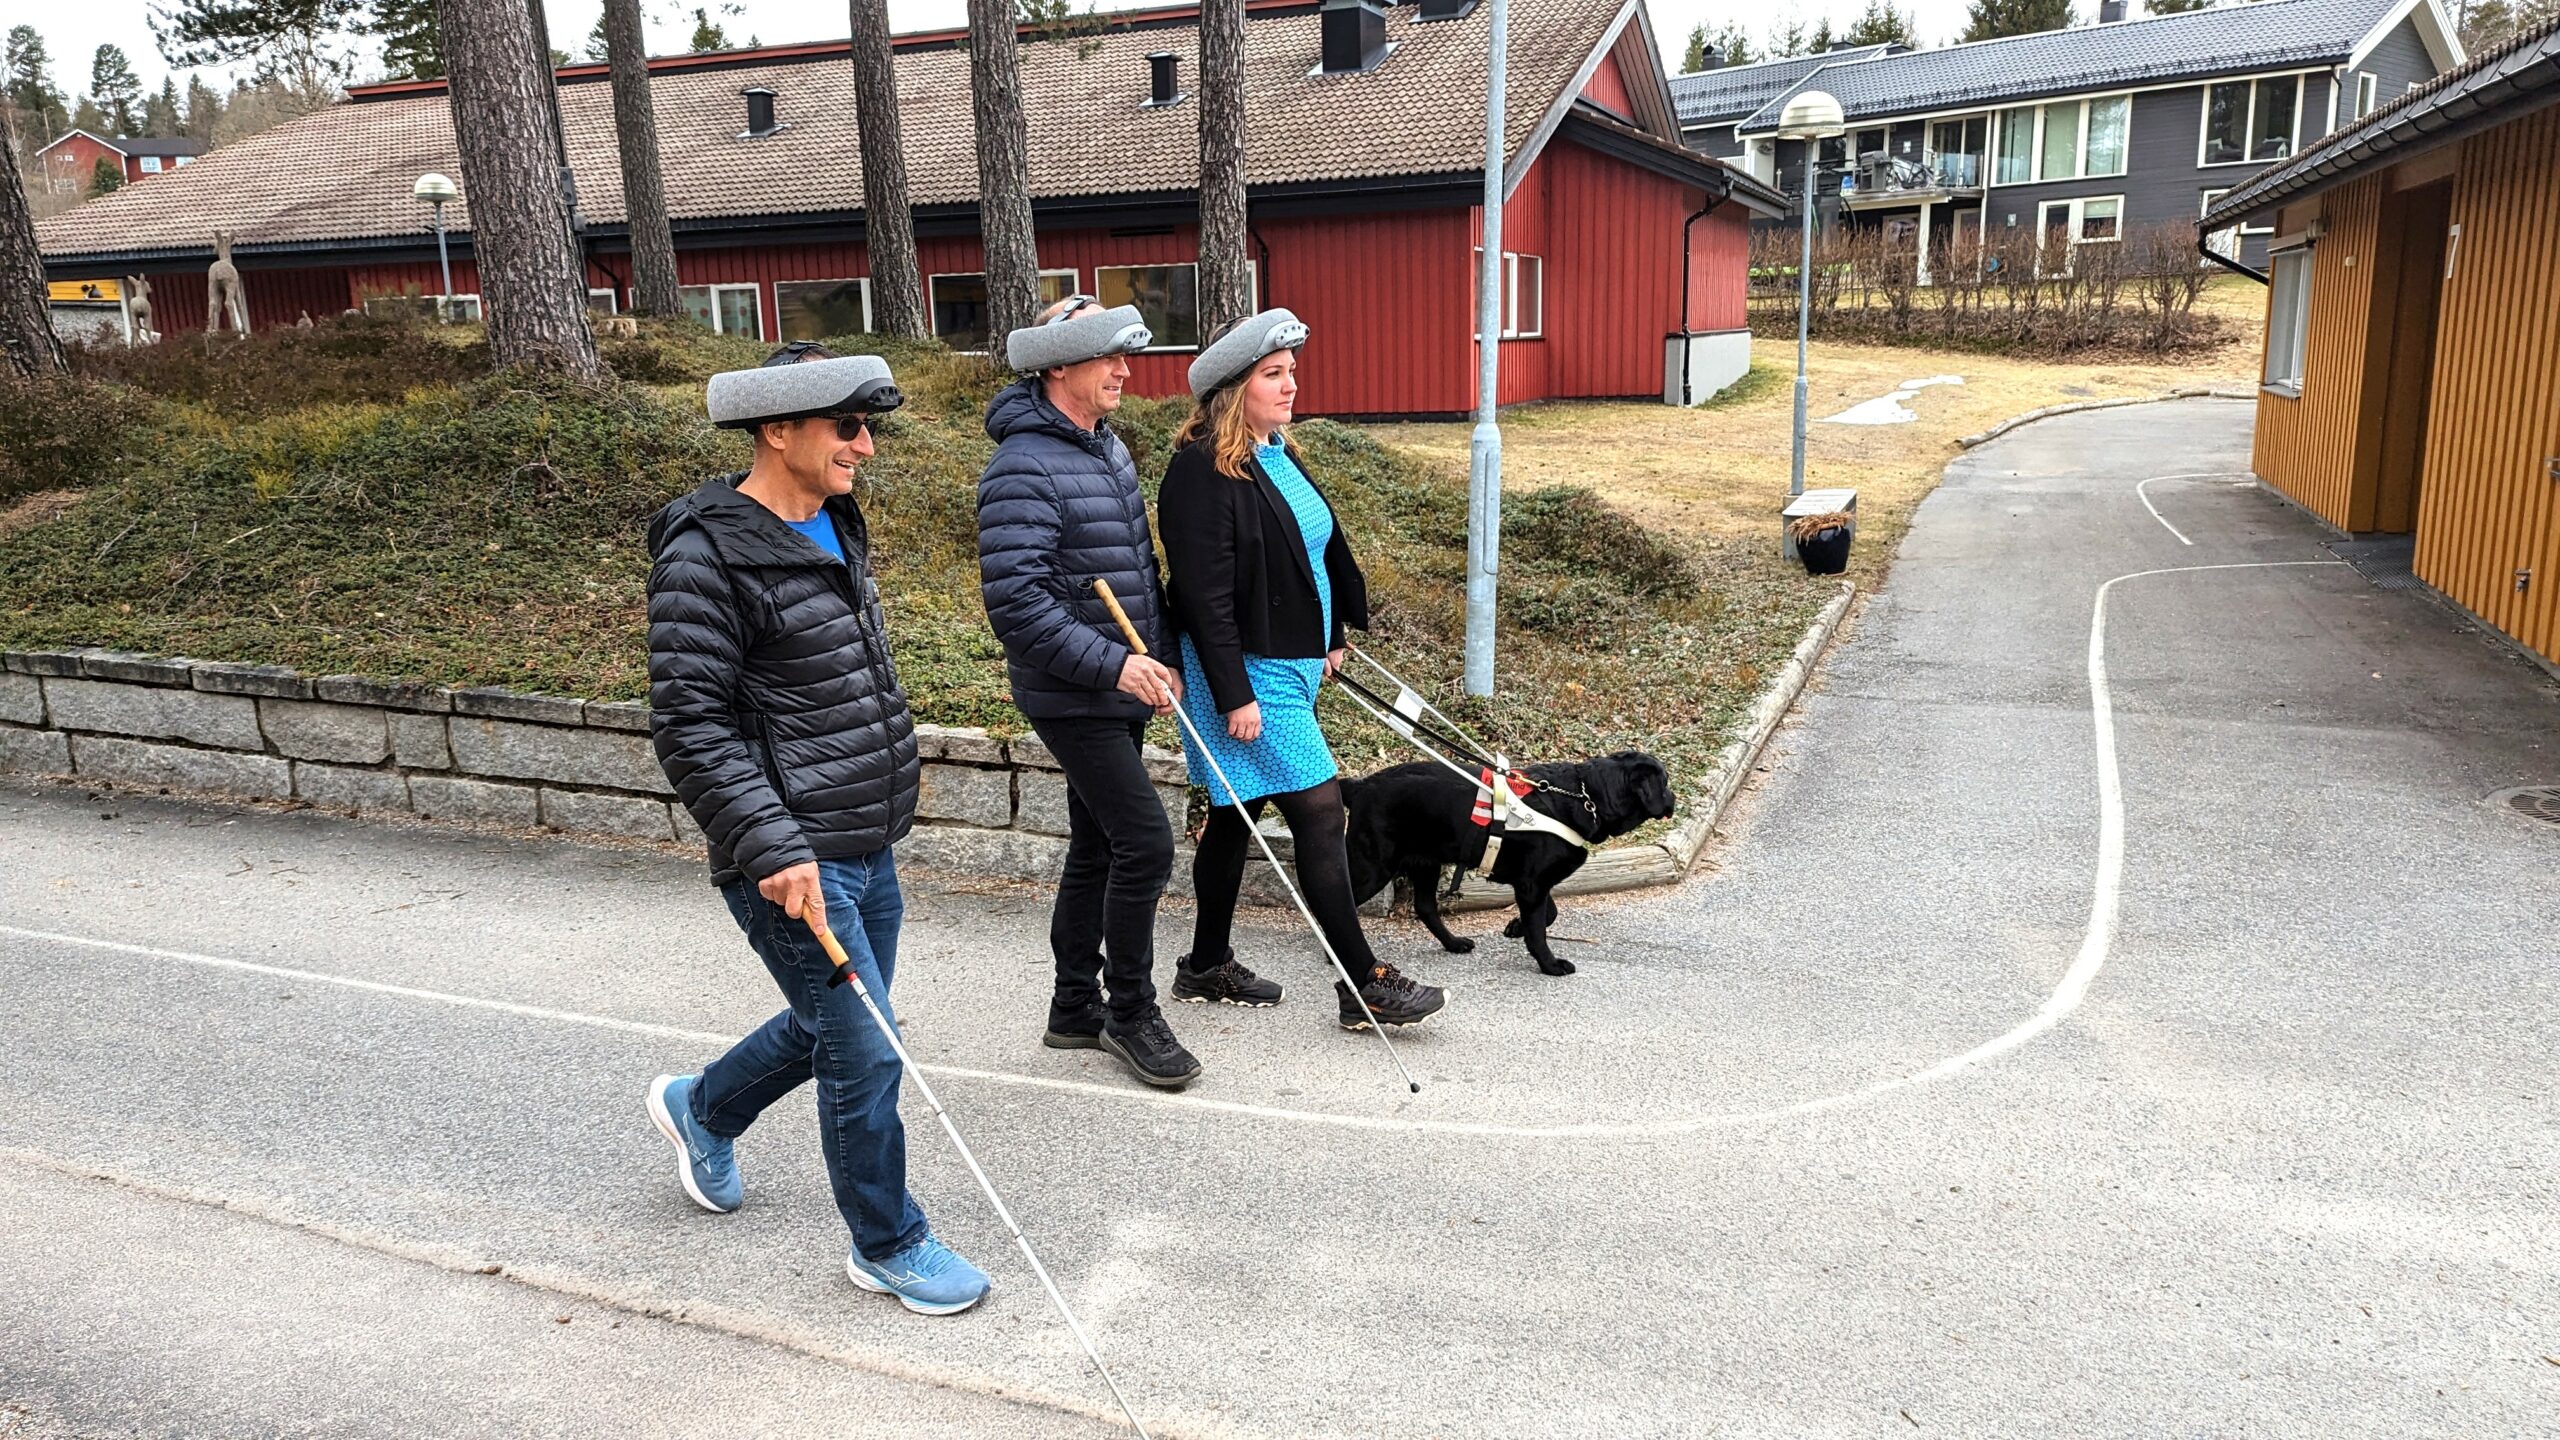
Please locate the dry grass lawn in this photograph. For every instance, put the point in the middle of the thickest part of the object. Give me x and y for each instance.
(1719, 472)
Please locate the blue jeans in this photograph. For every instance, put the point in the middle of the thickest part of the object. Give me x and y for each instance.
(826, 1034)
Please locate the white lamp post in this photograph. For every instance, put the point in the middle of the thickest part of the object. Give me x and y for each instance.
(1810, 118)
(436, 189)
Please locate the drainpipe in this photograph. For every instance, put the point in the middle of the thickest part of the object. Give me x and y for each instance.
(2205, 248)
(1713, 201)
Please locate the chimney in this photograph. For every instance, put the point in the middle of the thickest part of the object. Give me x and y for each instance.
(2111, 12)
(1710, 58)
(1164, 86)
(1445, 9)
(1355, 36)
(760, 122)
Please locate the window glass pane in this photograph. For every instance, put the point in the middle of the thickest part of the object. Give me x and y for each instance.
(2098, 219)
(960, 311)
(2288, 302)
(2366, 89)
(1168, 295)
(1054, 286)
(602, 302)
(2108, 121)
(697, 303)
(1532, 307)
(817, 309)
(2061, 143)
(739, 312)
(2226, 123)
(2271, 134)
(2017, 141)
(150, 164)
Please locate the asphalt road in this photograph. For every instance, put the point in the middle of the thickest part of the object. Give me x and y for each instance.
(1992, 1080)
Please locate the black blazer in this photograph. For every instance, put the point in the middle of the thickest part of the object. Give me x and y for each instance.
(1239, 581)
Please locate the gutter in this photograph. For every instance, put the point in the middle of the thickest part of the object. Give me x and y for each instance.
(2205, 248)
(1714, 199)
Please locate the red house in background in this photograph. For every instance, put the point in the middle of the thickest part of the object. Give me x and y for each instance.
(1624, 252)
(71, 161)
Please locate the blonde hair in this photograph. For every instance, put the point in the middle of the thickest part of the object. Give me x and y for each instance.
(1219, 416)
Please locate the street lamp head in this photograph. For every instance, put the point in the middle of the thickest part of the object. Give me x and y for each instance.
(1813, 115)
(435, 189)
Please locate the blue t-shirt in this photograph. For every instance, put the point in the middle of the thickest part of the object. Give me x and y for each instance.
(821, 530)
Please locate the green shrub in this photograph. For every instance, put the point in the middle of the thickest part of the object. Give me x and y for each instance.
(338, 360)
(58, 431)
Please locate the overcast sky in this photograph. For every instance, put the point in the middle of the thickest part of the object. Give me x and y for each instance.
(72, 33)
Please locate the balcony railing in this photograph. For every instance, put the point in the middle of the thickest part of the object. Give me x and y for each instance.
(1933, 172)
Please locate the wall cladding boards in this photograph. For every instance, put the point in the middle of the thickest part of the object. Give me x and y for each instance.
(474, 757)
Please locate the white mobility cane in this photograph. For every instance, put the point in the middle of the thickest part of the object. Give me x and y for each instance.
(1200, 747)
(846, 974)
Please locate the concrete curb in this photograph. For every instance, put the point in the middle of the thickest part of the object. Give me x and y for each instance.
(2183, 392)
(1667, 861)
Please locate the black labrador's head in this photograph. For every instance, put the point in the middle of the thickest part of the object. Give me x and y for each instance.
(1627, 789)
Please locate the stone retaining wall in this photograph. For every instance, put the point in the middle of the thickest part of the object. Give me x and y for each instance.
(481, 757)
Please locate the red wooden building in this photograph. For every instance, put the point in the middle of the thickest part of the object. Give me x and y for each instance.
(71, 159)
(1624, 252)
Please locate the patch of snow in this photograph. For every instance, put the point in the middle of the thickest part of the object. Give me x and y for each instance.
(1889, 409)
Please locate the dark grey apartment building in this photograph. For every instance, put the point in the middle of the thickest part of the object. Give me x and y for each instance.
(2085, 133)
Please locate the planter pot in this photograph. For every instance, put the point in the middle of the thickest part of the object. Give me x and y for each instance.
(1826, 552)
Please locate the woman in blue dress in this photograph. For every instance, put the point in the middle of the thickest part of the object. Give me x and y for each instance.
(1261, 588)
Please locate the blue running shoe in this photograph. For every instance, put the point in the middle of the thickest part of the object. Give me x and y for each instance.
(928, 1277)
(706, 1164)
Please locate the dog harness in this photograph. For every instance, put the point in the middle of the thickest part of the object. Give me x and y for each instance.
(1499, 808)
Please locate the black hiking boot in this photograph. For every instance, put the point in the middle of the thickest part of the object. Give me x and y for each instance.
(1079, 1028)
(1225, 983)
(1394, 997)
(1151, 1053)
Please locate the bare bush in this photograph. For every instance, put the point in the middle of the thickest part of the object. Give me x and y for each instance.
(2013, 290)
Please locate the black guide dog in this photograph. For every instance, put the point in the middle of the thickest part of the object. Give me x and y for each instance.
(1411, 820)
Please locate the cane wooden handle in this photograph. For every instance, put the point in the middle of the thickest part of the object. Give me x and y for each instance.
(1102, 588)
(828, 942)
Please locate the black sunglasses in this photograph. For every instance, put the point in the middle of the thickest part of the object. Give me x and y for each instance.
(850, 428)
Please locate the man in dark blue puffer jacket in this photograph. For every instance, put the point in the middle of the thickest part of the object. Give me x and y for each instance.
(1058, 508)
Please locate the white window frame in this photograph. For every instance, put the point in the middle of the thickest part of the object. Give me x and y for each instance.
(606, 293)
(716, 287)
(862, 280)
(2212, 195)
(2249, 118)
(444, 303)
(2289, 275)
(150, 164)
(2075, 211)
(1074, 287)
(1999, 122)
(1191, 265)
(2368, 93)
(1510, 295)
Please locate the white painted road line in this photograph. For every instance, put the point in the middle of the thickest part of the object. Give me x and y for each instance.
(2142, 492)
(2105, 892)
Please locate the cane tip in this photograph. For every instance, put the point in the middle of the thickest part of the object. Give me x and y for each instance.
(1416, 1084)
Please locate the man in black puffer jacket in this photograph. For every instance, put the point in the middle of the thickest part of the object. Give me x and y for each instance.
(1058, 508)
(778, 718)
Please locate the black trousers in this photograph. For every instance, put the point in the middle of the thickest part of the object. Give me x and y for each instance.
(1316, 821)
(1119, 855)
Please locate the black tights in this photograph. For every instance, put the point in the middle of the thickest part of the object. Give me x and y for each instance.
(1324, 874)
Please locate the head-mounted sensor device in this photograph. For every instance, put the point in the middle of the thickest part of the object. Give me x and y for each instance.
(846, 386)
(1072, 337)
(1230, 356)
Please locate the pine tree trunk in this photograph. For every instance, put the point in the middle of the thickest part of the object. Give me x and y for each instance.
(533, 291)
(1226, 283)
(1004, 176)
(644, 186)
(889, 227)
(28, 345)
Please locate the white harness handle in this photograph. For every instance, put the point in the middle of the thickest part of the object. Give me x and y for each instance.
(1408, 707)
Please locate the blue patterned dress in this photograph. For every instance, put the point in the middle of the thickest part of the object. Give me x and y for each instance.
(1291, 755)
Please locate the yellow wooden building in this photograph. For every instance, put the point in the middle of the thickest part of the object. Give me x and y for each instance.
(2412, 377)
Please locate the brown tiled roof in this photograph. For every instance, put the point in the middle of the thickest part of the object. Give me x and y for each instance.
(343, 173)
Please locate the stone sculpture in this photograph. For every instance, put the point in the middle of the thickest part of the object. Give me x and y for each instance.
(137, 305)
(223, 297)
